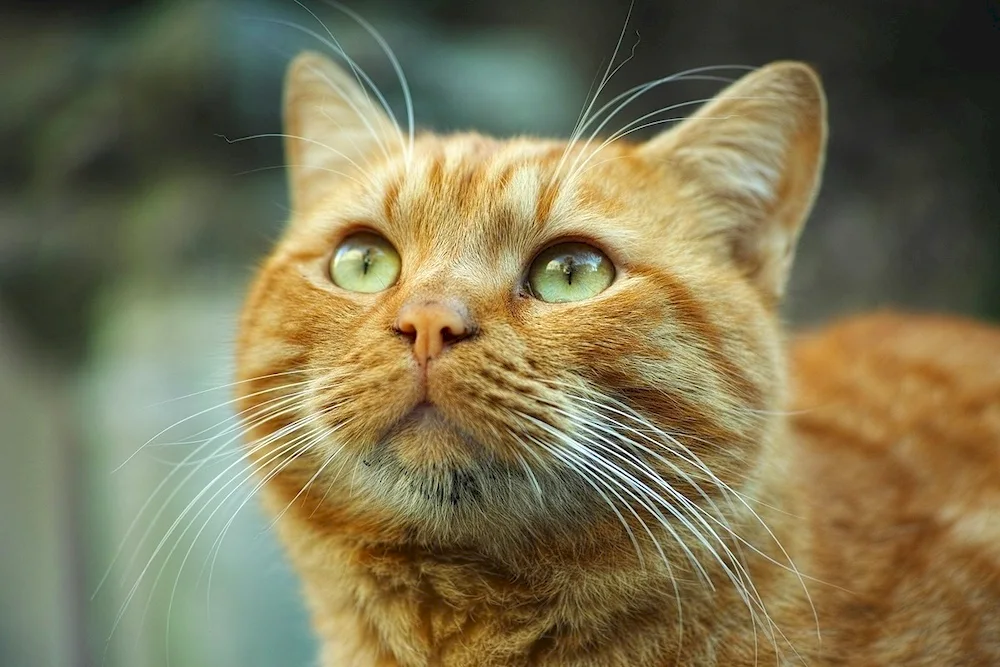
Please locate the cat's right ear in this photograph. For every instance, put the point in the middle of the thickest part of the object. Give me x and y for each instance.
(333, 127)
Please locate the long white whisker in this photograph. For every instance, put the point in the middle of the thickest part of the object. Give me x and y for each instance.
(263, 443)
(269, 409)
(619, 450)
(282, 135)
(307, 441)
(319, 470)
(728, 492)
(632, 94)
(627, 483)
(648, 492)
(199, 414)
(217, 544)
(360, 76)
(365, 82)
(637, 125)
(586, 454)
(629, 96)
(531, 477)
(393, 60)
(290, 165)
(230, 385)
(590, 482)
(589, 103)
(740, 577)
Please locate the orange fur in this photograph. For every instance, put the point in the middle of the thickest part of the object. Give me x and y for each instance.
(624, 480)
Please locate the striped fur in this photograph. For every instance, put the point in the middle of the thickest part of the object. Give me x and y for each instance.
(613, 481)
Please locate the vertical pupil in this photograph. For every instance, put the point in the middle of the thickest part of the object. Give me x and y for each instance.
(568, 269)
(366, 261)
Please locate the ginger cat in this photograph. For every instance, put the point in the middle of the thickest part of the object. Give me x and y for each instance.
(529, 402)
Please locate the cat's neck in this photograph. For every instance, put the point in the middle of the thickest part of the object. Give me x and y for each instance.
(401, 603)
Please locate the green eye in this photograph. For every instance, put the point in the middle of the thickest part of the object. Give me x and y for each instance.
(365, 262)
(570, 272)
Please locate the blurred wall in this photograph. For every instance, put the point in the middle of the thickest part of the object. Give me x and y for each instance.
(129, 226)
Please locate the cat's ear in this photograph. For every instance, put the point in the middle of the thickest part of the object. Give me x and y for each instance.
(754, 155)
(333, 127)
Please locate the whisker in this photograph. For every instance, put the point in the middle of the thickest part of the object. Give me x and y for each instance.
(728, 492)
(217, 544)
(236, 483)
(531, 477)
(319, 470)
(282, 135)
(558, 454)
(281, 432)
(268, 413)
(633, 94)
(199, 414)
(583, 451)
(393, 60)
(365, 82)
(228, 385)
(590, 101)
(740, 577)
(290, 165)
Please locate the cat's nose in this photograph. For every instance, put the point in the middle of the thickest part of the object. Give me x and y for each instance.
(431, 326)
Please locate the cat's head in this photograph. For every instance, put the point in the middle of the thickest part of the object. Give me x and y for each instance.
(463, 336)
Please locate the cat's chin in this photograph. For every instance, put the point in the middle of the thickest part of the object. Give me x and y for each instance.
(426, 437)
(429, 471)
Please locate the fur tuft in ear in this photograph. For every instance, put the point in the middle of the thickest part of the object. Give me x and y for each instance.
(333, 126)
(753, 157)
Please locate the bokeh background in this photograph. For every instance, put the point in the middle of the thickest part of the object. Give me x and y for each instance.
(129, 227)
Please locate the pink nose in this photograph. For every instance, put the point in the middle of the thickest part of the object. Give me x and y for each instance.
(431, 326)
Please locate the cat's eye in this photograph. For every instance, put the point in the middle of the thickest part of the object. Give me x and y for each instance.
(570, 272)
(365, 262)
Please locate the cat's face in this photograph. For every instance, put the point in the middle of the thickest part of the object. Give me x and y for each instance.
(464, 335)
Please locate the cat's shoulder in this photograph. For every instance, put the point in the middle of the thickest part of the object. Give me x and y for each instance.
(896, 426)
(896, 344)
(916, 396)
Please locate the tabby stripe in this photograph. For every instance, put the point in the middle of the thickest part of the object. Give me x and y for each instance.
(546, 201)
(692, 315)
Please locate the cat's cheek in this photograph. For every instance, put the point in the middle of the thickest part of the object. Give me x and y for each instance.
(584, 338)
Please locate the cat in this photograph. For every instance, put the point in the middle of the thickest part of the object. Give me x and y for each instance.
(529, 402)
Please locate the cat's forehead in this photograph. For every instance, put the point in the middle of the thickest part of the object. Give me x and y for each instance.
(468, 205)
(467, 191)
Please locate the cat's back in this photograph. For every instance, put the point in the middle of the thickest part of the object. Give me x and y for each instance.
(897, 435)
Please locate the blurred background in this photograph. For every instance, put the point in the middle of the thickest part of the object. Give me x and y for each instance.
(129, 227)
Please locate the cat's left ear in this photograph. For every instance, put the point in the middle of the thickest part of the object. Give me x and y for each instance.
(334, 127)
(754, 157)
